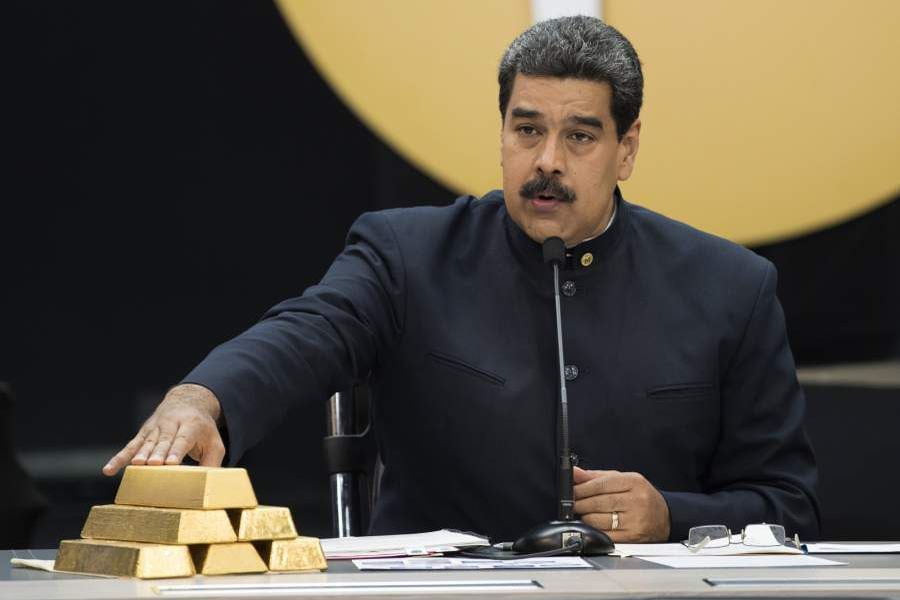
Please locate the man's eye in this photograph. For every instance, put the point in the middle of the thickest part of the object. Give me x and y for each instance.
(581, 137)
(527, 130)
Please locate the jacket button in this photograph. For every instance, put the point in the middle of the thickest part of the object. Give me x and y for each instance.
(571, 372)
(568, 288)
(586, 259)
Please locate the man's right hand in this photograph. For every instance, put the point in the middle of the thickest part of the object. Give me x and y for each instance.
(184, 424)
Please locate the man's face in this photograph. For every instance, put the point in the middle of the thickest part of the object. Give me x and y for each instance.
(561, 157)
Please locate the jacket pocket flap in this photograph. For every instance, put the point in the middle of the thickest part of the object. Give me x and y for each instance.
(461, 365)
(680, 390)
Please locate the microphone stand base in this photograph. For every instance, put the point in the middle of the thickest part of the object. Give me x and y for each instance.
(575, 536)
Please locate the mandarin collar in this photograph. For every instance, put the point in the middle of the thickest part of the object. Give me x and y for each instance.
(582, 260)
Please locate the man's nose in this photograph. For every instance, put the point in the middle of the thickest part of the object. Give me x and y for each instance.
(552, 160)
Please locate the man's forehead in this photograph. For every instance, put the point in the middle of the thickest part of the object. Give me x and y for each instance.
(546, 95)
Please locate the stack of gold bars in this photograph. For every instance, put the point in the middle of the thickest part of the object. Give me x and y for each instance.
(177, 521)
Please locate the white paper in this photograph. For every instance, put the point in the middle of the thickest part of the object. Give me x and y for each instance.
(449, 564)
(871, 548)
(33, 563)
(413, 544)
(641, 550)
(732, 562)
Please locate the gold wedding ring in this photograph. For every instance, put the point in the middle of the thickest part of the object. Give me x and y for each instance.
(615, 521)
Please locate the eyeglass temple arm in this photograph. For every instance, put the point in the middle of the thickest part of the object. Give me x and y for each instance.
(699, 545)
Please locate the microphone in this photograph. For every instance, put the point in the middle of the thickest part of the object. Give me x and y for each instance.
(554, 251)
(566, 535)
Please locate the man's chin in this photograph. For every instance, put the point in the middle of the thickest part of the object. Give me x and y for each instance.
(538, 227)
(542, 230)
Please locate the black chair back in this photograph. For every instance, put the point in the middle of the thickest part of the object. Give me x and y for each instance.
(20, 504)
(853, 430)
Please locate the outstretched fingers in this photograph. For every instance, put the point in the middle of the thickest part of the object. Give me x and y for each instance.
(168, 428)
(183, 424)
(184, 442)
(130, 452)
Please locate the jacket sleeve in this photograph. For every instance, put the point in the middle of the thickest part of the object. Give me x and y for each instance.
(310, 346)
(763, 469)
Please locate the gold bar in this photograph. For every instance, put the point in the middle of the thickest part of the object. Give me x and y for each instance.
(129, 559)
(158, 525)
(180, 486)
(298, 554)
(225, 559)
(263, 523)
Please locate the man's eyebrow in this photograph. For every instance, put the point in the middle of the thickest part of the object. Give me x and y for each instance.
(525, 113)
(530, 113)
(587, 120)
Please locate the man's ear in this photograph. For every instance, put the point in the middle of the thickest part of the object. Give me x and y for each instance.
(628, 149)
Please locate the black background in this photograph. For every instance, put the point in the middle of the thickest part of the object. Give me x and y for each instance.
(173, 169)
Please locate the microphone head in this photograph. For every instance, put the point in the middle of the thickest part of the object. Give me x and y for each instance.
(554, 251)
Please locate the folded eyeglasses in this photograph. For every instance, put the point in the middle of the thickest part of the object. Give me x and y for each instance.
(757, 535)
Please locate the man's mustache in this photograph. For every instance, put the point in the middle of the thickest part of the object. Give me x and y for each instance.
(546, 186)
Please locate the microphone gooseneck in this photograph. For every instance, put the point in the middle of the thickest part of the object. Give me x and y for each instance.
(554, 250)
(567, 535)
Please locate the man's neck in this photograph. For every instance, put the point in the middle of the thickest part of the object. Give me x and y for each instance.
(608, 224)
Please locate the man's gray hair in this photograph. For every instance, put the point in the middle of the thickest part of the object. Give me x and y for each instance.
(582, 48)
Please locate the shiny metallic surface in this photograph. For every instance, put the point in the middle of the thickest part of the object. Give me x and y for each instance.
(343, 485)
(343, 513)
(264, 523)
(183, 486)
(298, 554)
(158, 525)
(226, 559)
(124, 559)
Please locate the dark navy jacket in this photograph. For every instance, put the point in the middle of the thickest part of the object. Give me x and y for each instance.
(684, 373)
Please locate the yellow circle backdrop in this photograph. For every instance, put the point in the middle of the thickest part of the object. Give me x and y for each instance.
(762, 120)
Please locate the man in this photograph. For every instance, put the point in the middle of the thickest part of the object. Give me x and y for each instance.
(684, 404)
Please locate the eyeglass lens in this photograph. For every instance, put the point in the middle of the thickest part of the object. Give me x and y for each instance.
(718, 536)
(763, 535)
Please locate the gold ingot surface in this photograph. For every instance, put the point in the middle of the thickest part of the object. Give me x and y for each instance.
(225, 559)
(181, 486)
(298, 554)
(263, 523)
(158, 525)
(129, 559)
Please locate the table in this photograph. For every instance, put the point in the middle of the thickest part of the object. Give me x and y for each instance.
(866, 576)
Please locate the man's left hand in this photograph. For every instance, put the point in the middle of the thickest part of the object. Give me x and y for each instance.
(623, 505)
